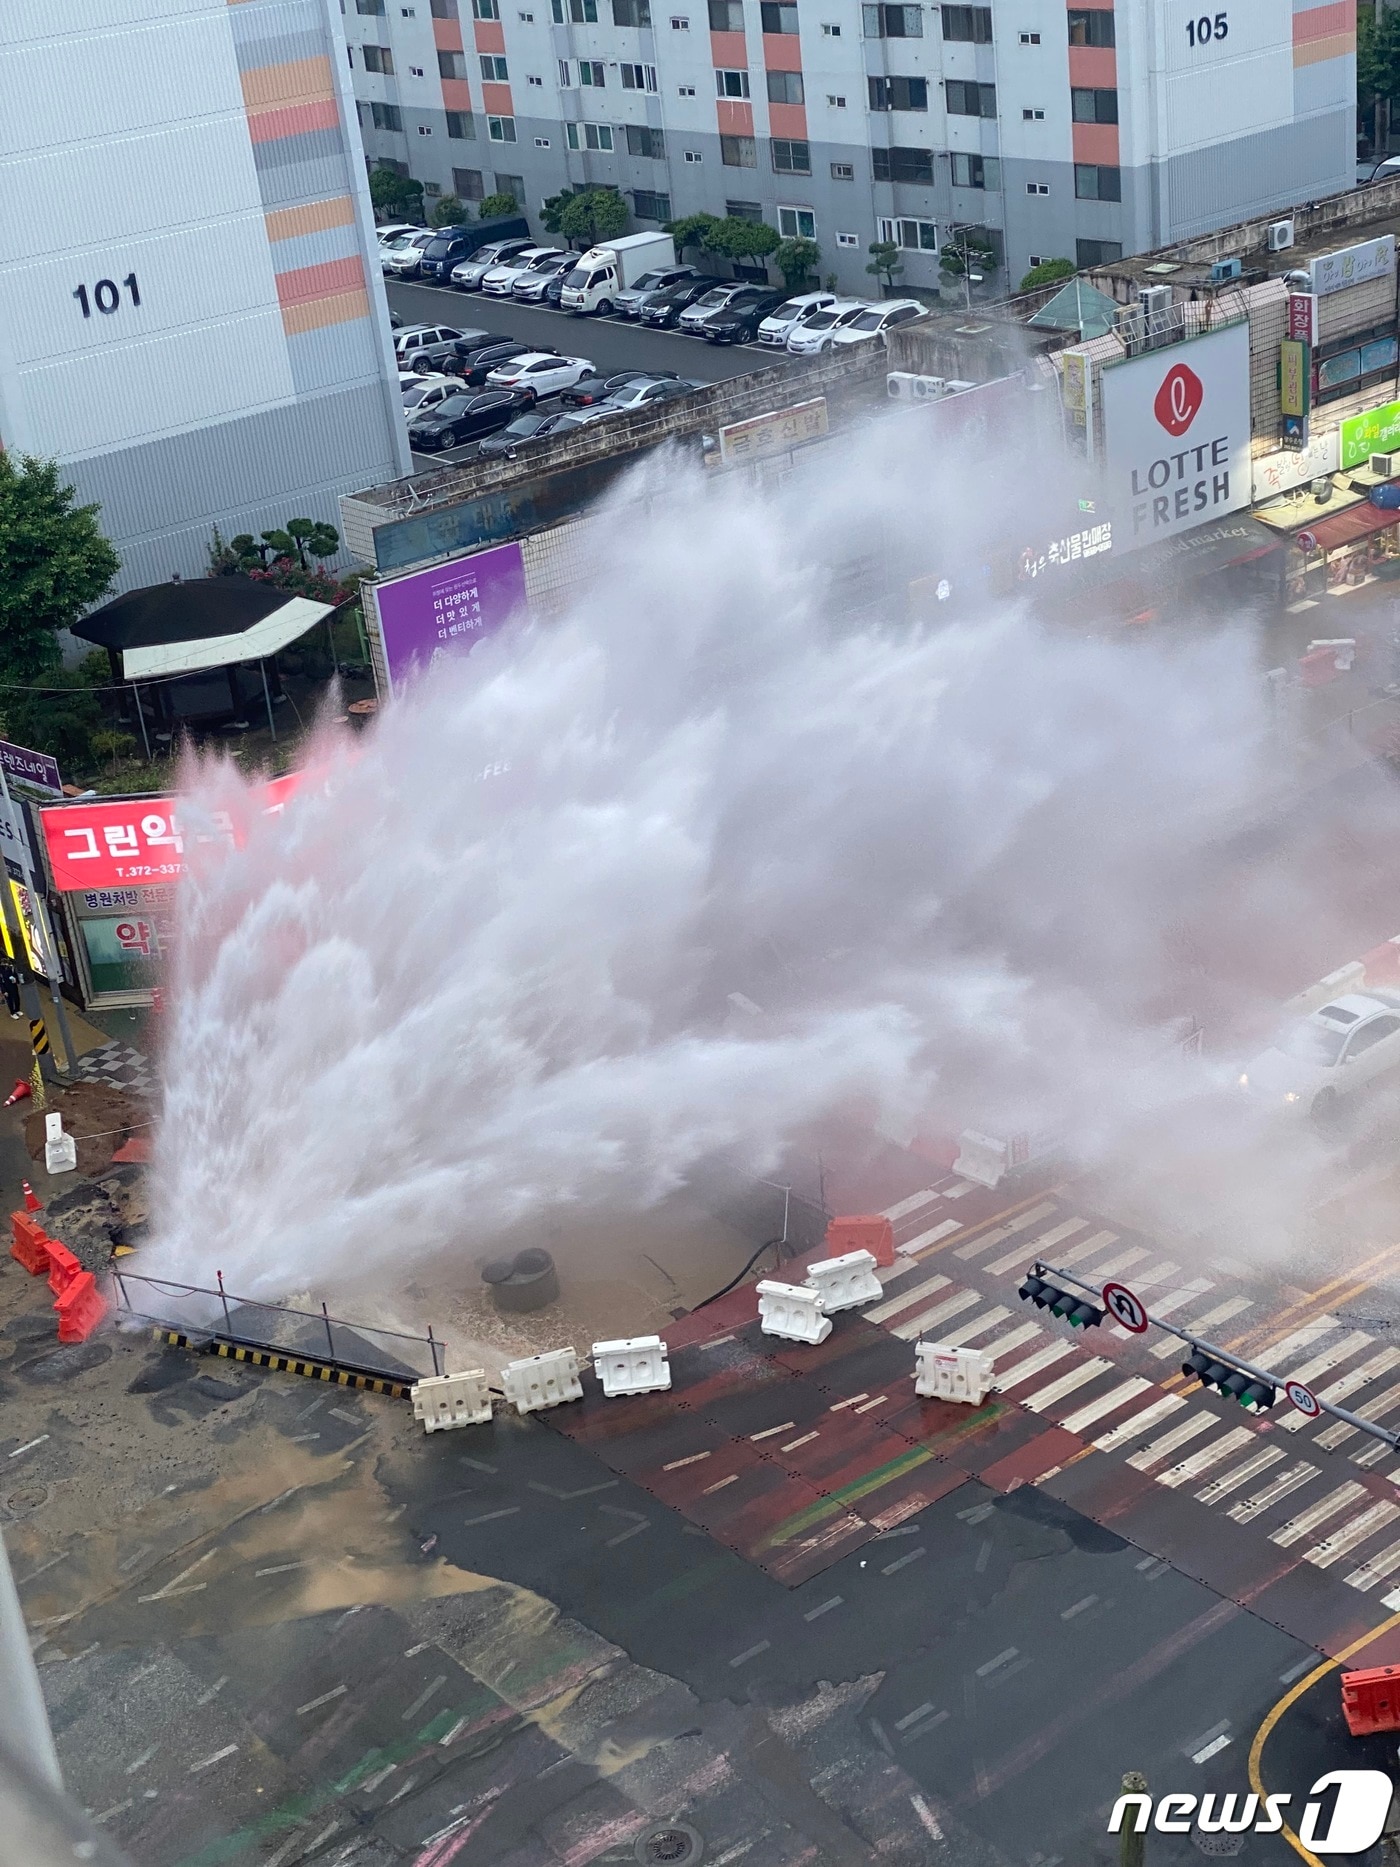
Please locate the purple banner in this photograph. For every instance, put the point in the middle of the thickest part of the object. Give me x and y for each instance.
(446, 609)
(35, 768)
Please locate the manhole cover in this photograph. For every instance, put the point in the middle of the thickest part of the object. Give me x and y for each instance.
(23, 1500)
(669, 1844)
(1220, 1847)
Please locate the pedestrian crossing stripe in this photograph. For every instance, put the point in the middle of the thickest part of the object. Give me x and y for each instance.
(307, 1366)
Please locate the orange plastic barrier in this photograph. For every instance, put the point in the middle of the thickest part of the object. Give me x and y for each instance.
(30, 1247)
(1371, 1700)
(861, 1232)
(63, 1266)
(81, 1307)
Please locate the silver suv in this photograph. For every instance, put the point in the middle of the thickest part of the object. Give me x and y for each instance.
(421, 347)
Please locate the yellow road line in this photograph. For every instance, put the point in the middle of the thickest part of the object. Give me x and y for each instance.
(976, 1231)
(1291, 1697)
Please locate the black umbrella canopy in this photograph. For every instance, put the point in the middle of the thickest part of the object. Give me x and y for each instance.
(181, 612)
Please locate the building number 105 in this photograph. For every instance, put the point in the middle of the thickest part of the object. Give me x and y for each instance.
(106, 295)
(1201, 31)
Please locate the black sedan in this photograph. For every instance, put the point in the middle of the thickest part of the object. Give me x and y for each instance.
(535, 425)
(661, 309)
(476, 363)
(595, 389)
(464, 416)
(738, 324)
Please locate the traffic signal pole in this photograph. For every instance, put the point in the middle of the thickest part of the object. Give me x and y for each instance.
(1227, 1358)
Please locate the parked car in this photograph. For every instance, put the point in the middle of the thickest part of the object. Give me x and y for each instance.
(426, 392)
(533, 425)
(475, 365)
(454, 246)
(467, 276)
(661, 309)
(540, 372)
(594, 389)
(625, 302)
(738, 321)
(718, 298)
(871, 325)
(645, 394)
(395, 321)
(497, 282)
(464, 416)
(779, 325)
(604, 271)
(533, 286)
(554, 287)
(404, 256)
(420, 346)
(1316, 1062)
(815, 334)
(395, 230)
(573, 418)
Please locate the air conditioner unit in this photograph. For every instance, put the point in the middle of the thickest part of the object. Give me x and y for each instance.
(1156, 302)
(1385, 465)
(906, 386)
(1130, 325)
(955, 386)
(1281, 235)
(1224, 270)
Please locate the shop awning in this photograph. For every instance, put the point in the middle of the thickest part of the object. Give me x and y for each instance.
(1345, 528)
(210, 622)
(284, 625)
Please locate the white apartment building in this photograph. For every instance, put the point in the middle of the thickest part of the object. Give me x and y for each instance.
(1081, 131)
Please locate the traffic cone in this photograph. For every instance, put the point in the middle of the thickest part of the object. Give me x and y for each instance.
(17, 1094)
(31, 1204)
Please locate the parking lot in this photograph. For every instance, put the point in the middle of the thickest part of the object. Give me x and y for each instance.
(612, 343)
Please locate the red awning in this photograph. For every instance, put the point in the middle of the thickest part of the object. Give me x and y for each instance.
(1344, 528)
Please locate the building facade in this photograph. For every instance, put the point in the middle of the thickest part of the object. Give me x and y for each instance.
(1079, 132)
(189, 319)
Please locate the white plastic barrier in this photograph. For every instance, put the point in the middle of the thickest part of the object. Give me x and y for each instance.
(980, 1158)
(60, 1149)
(845, 1282)
(638, 1365)
(540, 1381)
(793, 1312)
(1348, 978)
(964, 1374)
(444, 1400)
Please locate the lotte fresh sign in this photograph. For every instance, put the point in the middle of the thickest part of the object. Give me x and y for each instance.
(1176, 437)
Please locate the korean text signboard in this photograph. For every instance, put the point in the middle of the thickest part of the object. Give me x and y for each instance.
(446, 609)
(1177, 437)
(1353, 265)
(765, 435)
(35, 769)
(1377, 431)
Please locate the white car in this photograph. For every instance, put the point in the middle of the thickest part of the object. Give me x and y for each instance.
(1314, 1063)
(871, 325)
(497, 282)
(540, 373)
(809, 339)
(395, 230)
(403, 256)
(421, 393)
(780, 324)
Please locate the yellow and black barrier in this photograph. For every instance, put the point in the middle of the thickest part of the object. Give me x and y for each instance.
(309, 1367)
(38, 1037)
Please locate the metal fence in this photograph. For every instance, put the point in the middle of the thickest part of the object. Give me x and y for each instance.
(196, 1310)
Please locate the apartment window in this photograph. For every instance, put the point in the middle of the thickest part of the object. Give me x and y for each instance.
(385, 116)
(425, 129)
(843, 171)
(902, 165)
(679, 24)
(726, 16)
(451, 65)
(834, 102)
(649, 206)
(638, 77)
(1037, 188)
(370, 6)
(914, 236)
(797, 223)
(1093, 106)
(631, 12)
(1095, 182)
(777, 16)
(1089, 26)
(685, 90)
(493, 69)
(484, 9)
(744, 210)
(378, 58)
(513, 185)
(738, 152)
(970, 100)
(461, 129)
(785, 87)
(694, 155)
(899, 93)
(541, 142)
(501, 129)
(581, 12)
(416, 71)
(1097, 253)
(975, 171)
(731, 84)
(1030, 38)
(1033, 116)
(831, 32)
(893, 22)
(644, 141)
(590, 72)
(566, 75)
(589, 136)
(443, 9)
(537, 82)
(791, 158)
(970, 24)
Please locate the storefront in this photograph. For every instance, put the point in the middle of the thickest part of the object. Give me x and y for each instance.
(1226, 565)
(1343, 552)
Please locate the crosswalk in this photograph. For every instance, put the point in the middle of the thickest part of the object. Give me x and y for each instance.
(1323, 1491)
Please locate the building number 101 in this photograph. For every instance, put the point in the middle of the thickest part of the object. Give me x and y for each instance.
(106, 295)
(1201, 31)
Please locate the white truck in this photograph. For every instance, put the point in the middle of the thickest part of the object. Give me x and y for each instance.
(604, 271)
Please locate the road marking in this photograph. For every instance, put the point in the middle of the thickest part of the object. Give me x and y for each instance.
(917, 1731)
(490, 1516)
(28, 1446)
(709, 1490)
(815, 1614)
(139, 1763)
(1077, 1607)
(218, 1757)
(282, 1568)
(1178, 1299)
(1295, 1346)
(117, 1808)
(1106, 1403)
(1333, 1357)
(1343, 1541)
(62, 1556)
(1298, 1527)
(1292, 1480)
(1375, 1569)
(677, 1464)
(1007, 1229)
(1139, 1423)
(1035, 1247)
(1232, 1480)
(1179, 1435)
(1095, 1242)
(716, 1341)
(769, 1431)
(1032, 1365)
(849, 1401)
(1002, 1659)
(866, 1405)
(984, 1556)
(893, 1305)
(171, 1587)
(1057, 1390)
(915, 1200)
(1125, 1261)
(750, 1653)
(1012, 1340)
(913, 1717)
(1157, 1273)
(912, 1246)
(1233, 1306)
(478, 1465)
(423, 1697)
(1296, 1672)
(1371, 1370)
(1212, 1749)
(979, 1325)
(1200, 1462)
(903, 1562)
(212, 1692)
(315, 1704)
(941, 1312)
(807, 1438)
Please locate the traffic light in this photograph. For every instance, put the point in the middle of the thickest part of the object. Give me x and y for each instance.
(1255, 1395)
(1077, 1311)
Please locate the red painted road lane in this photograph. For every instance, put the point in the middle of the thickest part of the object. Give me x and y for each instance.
(1032, 1461)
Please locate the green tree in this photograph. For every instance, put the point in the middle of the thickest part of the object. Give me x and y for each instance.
(397, 197)
(796, 258)
(497, 206)
(54, 564)
(1377, 60)
(740, 239)
(693, 231)
(968, 251)
(62, 717)
(885, 263)
(300, 539)
(450, 212)
(586, 216)
(1048, 272)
